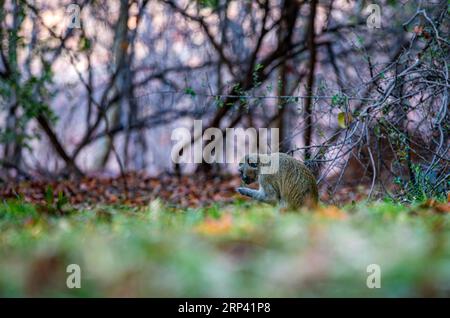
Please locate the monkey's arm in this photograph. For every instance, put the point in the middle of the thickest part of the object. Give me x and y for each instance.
(260, 195)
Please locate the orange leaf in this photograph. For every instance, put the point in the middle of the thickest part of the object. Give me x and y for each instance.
(442, 208)
(113, 198)
(216, 227)
(436, 206)
(332, 212)
(428, 203)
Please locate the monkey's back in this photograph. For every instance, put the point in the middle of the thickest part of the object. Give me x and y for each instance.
(295, 183)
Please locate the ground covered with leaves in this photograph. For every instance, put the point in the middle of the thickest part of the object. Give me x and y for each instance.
(138, 189)
(239, 249)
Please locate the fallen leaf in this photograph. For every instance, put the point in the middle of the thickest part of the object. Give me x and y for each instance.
(442, 208)
(216, 227)
(332, 212)
(430, 203)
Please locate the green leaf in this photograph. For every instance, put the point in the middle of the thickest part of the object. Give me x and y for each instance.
(84, 44)
(49, 195)
(344, 119)
(258, 67)
(190, 91)
(62, 200)
(213, 4)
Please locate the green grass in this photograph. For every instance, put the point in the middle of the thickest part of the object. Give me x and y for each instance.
(241, 250)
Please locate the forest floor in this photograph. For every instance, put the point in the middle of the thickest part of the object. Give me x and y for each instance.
(199, 190)
(235, 247)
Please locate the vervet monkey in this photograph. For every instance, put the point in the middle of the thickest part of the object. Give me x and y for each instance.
(282, 179)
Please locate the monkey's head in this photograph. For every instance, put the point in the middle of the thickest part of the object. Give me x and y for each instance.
(249, 168)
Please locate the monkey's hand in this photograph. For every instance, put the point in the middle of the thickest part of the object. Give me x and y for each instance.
(245, 191)
(259, 195)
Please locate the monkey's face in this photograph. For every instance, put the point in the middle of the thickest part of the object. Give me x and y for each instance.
(249, 168)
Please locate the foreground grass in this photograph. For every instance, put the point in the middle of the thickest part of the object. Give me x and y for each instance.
(241, 250)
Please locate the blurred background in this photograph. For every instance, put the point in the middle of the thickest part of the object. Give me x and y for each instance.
(92, 91)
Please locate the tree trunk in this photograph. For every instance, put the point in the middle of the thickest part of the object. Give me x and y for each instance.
(308, 112)
(120, 48)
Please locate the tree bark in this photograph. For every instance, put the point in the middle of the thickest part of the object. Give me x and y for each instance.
(120, 48)
(308, 112)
